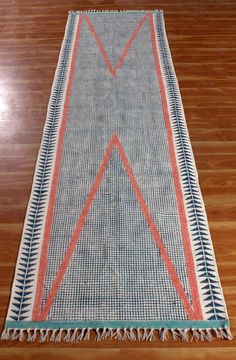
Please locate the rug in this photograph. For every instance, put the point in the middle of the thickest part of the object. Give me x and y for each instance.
(116, 241)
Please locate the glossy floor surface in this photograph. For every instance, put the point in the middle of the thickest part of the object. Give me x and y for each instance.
(202, 37)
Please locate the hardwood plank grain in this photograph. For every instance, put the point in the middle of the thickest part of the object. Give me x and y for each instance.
(72, 354)
(116, 354)
(202, 38)
(177, 353)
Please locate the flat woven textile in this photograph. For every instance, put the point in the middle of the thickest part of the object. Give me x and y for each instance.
(116, 240)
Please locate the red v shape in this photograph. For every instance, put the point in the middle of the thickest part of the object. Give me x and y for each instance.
(114, 69)
(42, 315)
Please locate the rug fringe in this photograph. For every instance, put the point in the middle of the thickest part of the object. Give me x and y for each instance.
(95, 11)
(131, 334)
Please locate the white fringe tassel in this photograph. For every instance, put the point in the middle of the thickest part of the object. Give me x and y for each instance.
(145, 334)
(95, 11)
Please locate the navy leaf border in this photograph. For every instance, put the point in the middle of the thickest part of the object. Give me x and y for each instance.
(23, 286)
(211, 291)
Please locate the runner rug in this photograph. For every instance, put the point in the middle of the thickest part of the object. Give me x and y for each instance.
(116, 240)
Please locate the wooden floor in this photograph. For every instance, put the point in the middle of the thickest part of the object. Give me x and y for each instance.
(202, 37)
